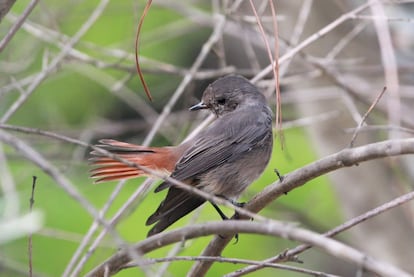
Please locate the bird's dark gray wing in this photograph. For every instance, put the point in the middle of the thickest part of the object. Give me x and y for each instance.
(223, 143)
(176, 204)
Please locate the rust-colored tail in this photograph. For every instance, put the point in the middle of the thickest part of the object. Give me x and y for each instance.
(107, 169)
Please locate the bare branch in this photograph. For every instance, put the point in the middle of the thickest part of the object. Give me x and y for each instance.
(377, 99)
(325, 30)
(53, 172)
(344, 158)
(289, 254)
(91, 231)
(230, 227)
(17, 25)
(215, 36)
(235, 261)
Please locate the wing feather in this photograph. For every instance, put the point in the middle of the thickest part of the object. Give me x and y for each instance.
(222, 143)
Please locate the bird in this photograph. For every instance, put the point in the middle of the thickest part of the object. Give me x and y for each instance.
(223, 159)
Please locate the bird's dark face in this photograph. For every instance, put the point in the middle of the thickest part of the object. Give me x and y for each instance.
(227, 94)
(220, 100)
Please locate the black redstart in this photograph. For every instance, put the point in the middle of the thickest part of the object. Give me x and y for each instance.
(223, 159)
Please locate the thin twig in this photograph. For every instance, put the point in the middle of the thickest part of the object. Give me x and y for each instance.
(364, 117)
(32, 155)
(64, 235)
(234, 261)
(141, 191)
(316, 36)
(306, 121)
(274, 60)
(30, 243)
(17, 24)
(87, 237)
(371, 128)
(297, 32)
(345, 40)
(137, 37)
(276, 74)
(214, 37)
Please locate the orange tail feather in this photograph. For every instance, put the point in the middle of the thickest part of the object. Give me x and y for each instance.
(107, 169)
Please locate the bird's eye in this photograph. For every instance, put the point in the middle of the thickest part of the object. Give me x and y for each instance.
(221, 101)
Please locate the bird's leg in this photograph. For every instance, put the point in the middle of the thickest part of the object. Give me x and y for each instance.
(235, 203)
(220, 212)
(223, 216)
(240, 205)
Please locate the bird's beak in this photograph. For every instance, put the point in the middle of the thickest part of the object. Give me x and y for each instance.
(198, 106)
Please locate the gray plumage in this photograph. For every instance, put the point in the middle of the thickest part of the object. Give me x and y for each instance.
(224, 158)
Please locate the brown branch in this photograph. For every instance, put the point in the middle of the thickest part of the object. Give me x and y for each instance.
(344, 158)
(292, 253)
(276, 73)
(230, 227)
(8, 37)
(377, 99)
(137, 63)
(274, 61)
